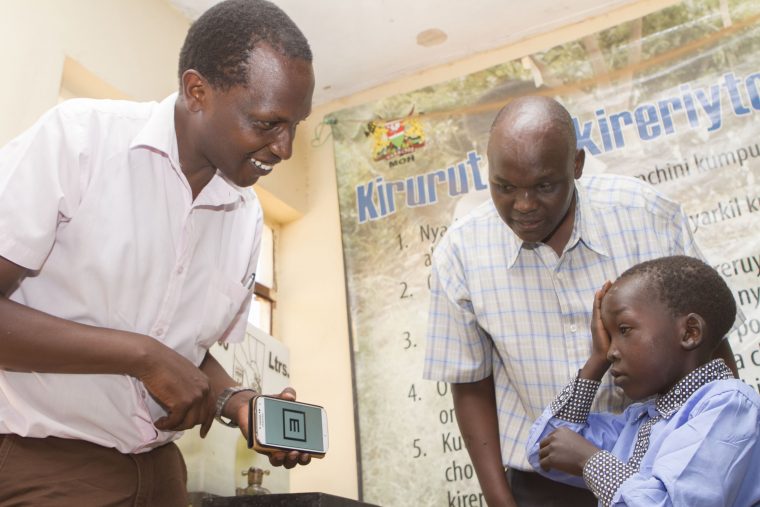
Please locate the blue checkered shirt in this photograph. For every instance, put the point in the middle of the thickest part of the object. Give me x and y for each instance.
(519, 312)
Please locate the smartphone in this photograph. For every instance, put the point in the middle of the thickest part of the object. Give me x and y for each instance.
(280, 425)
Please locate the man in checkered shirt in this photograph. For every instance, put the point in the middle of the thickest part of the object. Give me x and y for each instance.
(512, 286)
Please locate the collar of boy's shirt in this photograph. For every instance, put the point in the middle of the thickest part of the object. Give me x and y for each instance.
(674, 399)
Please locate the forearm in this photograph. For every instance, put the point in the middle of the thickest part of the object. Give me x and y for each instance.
(475, 407)
(557, 445)
(594, 369)
(571, 410)
(219, 380)
(36, 341)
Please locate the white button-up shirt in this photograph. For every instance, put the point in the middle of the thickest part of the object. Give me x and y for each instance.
(94, 203)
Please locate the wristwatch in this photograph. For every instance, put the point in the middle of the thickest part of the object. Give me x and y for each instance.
(222, 400)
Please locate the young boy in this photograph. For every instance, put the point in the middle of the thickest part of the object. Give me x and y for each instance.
(694, 441)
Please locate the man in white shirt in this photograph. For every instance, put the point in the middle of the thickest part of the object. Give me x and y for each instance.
(127, 236)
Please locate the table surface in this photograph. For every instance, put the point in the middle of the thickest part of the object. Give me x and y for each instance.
(283, 500)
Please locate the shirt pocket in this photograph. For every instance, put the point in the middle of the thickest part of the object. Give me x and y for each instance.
(224, 300)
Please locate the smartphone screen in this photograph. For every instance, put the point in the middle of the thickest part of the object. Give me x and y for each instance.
(291, 425)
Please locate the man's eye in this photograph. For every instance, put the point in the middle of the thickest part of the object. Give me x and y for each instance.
(624, 330)
(264, 125)
(546, 187)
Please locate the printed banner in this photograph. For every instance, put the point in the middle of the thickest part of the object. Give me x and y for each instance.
(672, 98)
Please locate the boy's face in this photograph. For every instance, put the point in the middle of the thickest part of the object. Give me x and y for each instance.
(645, 347)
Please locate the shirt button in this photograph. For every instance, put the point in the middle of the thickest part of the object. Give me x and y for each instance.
(573, 328)
(160, 332)
(180, 270)
(559, 276)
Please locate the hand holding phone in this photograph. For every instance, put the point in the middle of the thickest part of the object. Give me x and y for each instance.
(280, 425)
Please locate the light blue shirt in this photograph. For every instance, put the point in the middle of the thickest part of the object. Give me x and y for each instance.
(703, 451)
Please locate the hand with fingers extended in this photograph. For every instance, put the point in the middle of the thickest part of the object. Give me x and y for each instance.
(276, 458)
(597, 363)
(565, 450)
(180, 388)
(599, 335)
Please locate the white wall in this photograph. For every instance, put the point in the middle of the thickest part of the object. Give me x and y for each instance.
(131, 44)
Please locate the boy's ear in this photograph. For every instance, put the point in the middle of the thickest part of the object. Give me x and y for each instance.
(695, 328)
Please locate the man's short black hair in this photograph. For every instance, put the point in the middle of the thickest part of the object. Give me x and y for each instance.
(688, 285)
(219, 43)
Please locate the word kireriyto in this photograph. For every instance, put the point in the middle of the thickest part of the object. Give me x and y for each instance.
(651, 120)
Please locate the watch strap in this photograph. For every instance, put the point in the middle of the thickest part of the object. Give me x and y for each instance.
(222, 400)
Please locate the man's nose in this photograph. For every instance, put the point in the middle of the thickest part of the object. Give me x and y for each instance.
(525, 201)
(282, 145)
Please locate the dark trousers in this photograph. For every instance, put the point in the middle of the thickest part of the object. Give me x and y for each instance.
(62, 472)
(534, 490)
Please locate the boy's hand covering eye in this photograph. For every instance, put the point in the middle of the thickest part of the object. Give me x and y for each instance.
(599, 336)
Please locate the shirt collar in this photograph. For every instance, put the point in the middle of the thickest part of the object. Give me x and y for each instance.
(586, 227)
(221, 191)
(671, 401)
(159, 135)
(514, 243)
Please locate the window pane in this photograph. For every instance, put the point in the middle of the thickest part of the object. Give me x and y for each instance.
(265, 267)
(261, 314)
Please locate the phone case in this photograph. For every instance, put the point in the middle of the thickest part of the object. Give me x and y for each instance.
(257, 446)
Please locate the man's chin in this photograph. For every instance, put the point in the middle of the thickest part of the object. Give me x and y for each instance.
(530, 236)
(239, 180)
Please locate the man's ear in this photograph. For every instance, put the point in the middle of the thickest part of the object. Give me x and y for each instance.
(694, 331)
(195, 90)
(580, 160)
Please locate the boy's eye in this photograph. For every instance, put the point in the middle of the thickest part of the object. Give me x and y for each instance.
(624, 330)
(546, 187)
